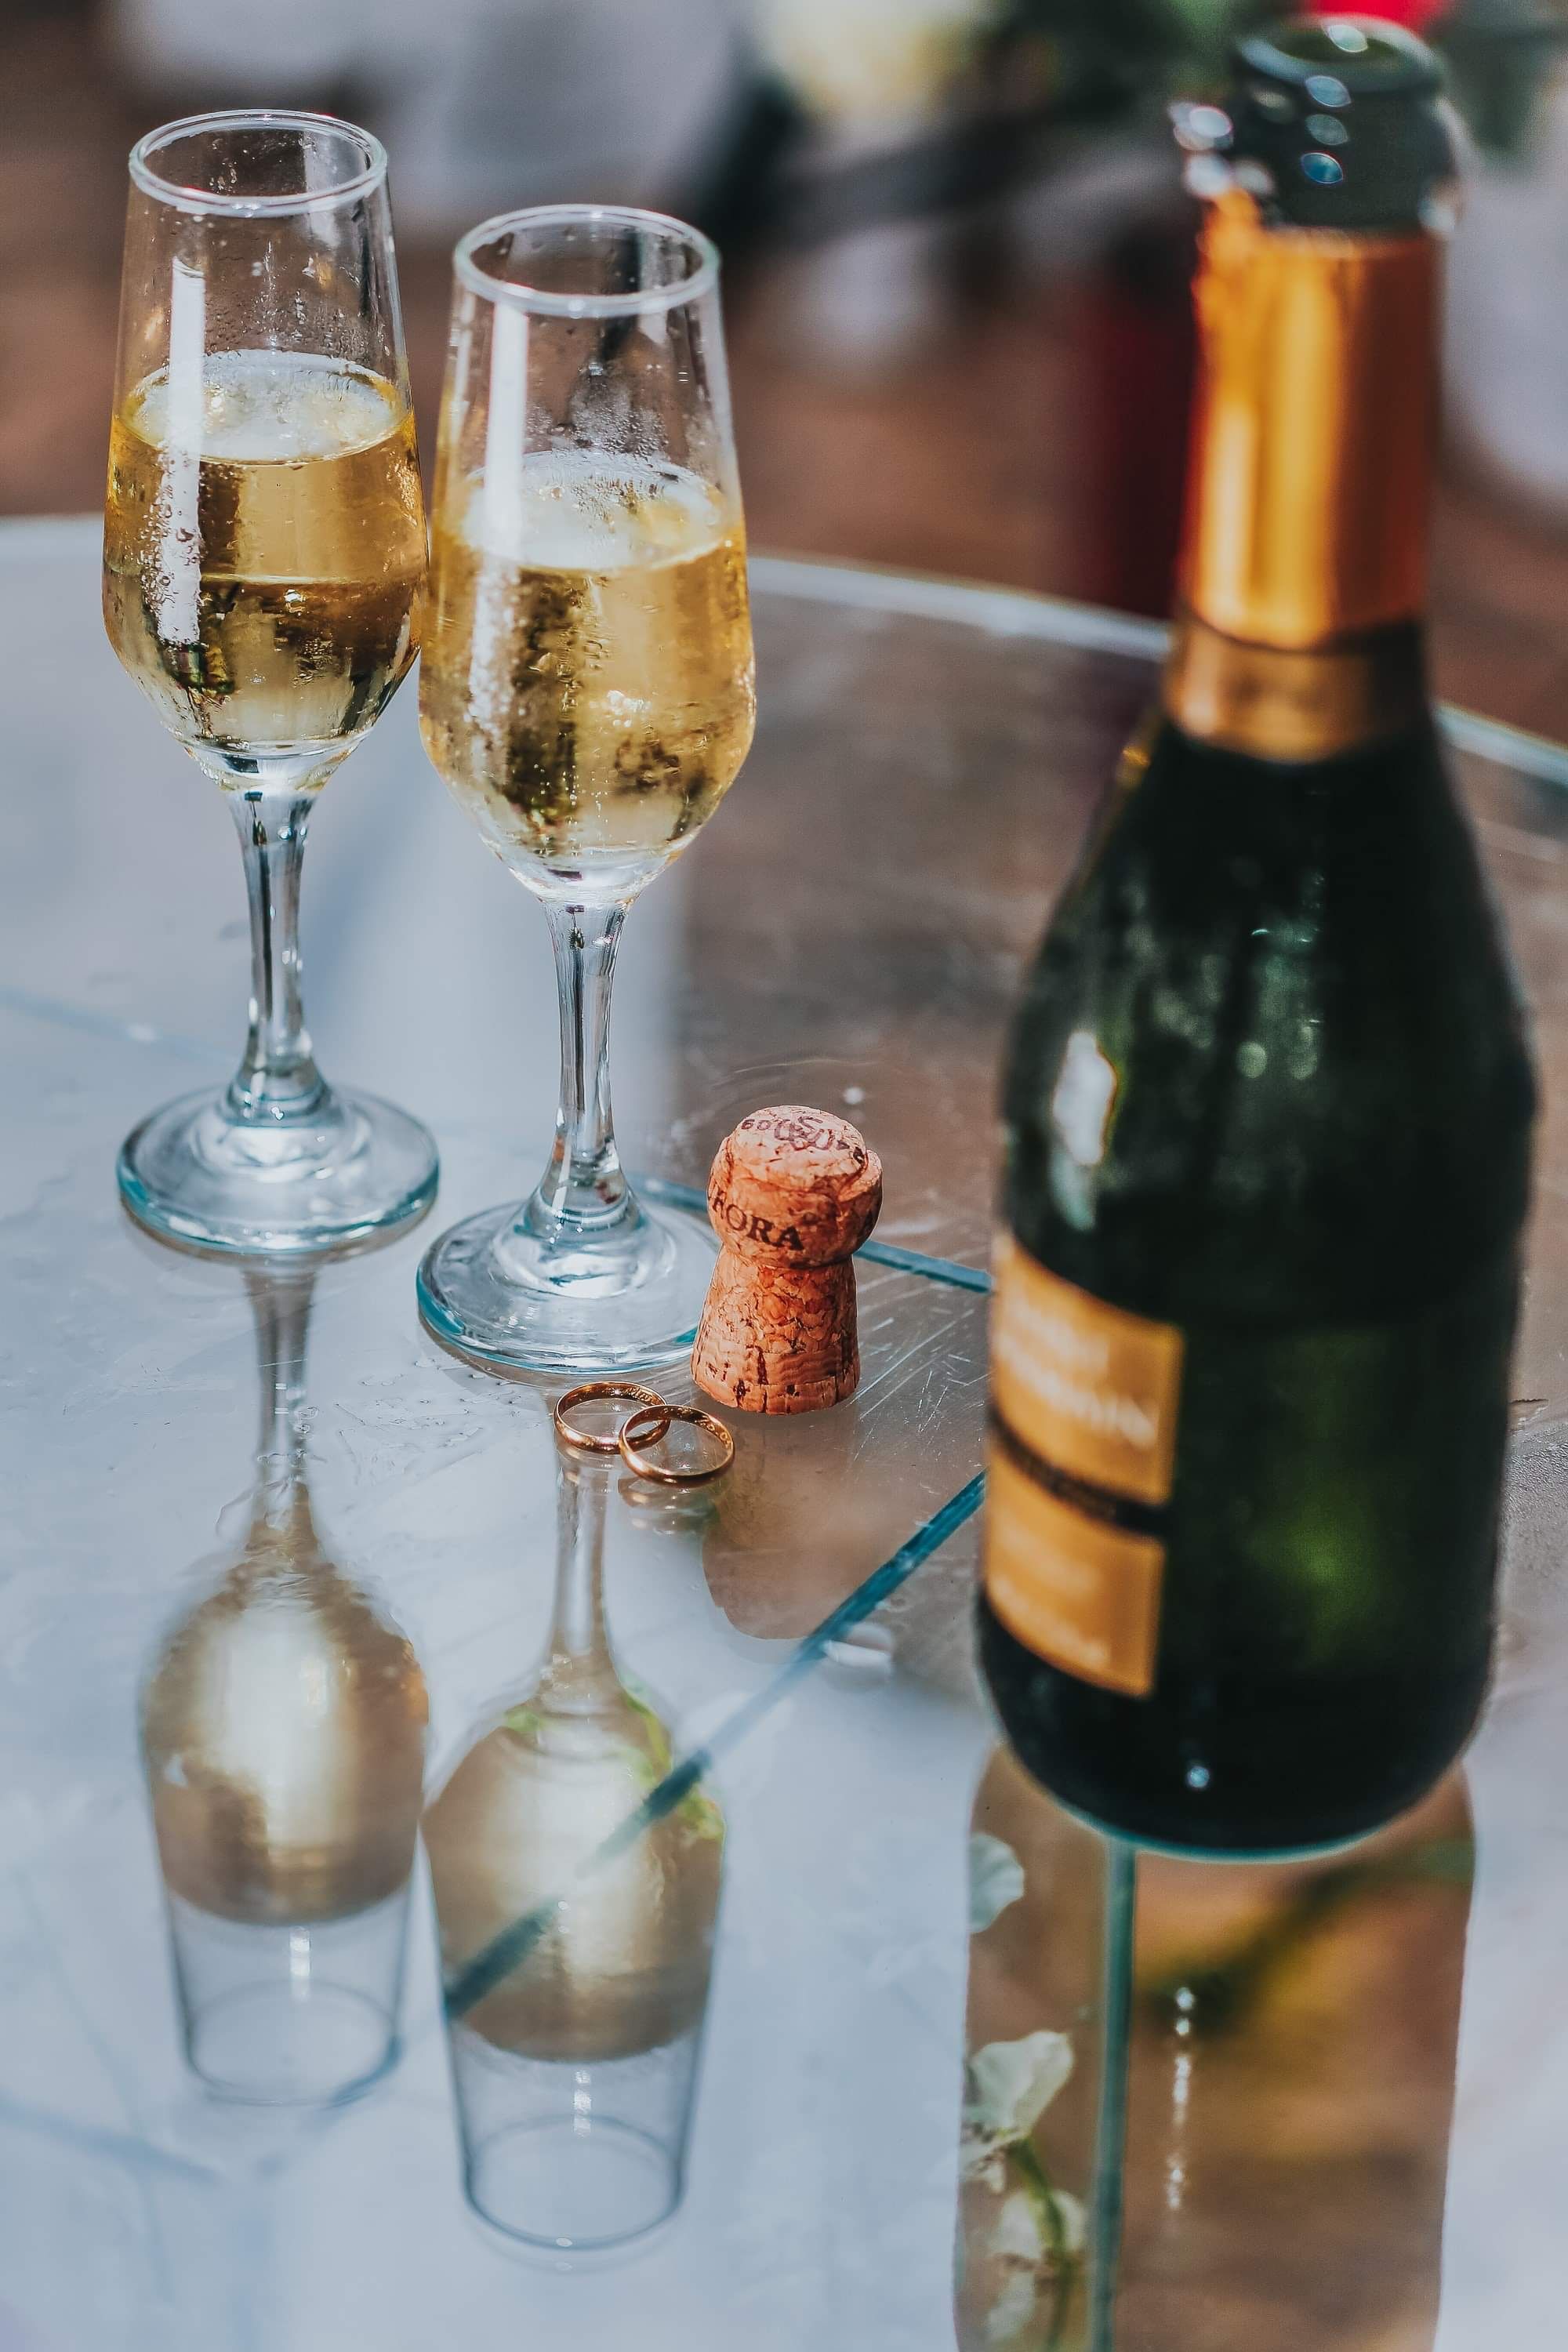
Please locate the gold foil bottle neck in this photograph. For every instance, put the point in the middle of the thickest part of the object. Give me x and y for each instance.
(1314, 432)
(1310, 704)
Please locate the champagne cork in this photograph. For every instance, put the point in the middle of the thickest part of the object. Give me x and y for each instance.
(793, 1194)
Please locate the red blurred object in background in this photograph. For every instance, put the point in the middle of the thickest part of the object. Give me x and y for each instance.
(1415, 15)
(1139, 349)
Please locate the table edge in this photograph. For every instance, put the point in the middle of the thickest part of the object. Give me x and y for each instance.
(972, 603)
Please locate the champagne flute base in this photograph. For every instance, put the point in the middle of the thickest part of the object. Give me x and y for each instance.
(490, 1291)
(302, 2014)
(563, 2190)
(353, 1169)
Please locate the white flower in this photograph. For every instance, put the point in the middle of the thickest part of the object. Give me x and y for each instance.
(980, 2162)
(996, 1879)
(1038, 2226)
(1012, 2083)
(980, 2159)
(1070, 2221)
(1013, 2309)
(868, 61)
(1020, 2232)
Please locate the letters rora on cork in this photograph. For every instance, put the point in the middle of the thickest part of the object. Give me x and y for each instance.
(793, 1194)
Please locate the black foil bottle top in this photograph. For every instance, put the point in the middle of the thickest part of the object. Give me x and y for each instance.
(1334, 122)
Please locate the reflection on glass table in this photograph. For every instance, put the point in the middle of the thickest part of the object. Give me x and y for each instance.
(1336, 2154)
(1294, 2037)
(283, 1732)
(1223, 2123)
(1033, 2053)
(575, 1955)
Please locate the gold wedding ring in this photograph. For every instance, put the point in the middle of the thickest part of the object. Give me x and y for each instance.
(581, 1442)
(659, 1416)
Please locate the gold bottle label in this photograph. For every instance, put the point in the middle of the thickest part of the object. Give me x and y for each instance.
(1082, 1592)
(1091, 1388)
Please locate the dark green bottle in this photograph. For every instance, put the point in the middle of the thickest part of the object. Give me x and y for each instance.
(1269, 1100)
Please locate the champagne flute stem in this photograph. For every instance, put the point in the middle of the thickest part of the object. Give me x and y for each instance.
(579, 1671)
(583, 1190)
(277, 1078)
(280, 1304)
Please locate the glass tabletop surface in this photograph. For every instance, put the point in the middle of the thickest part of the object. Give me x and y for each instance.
(779, 2007)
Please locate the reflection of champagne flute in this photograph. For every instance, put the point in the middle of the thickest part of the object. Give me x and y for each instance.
(283, 1730)
(264, 565)
(574, 2064)
(588, 695)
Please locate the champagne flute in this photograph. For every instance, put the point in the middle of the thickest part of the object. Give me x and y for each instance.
(588, 697)
(263, 573)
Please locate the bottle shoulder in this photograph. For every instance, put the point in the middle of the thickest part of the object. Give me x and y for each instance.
(1271, 1039)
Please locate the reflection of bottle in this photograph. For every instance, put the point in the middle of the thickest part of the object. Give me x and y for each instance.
(574, 2053)
(1032, 2063)
(1268, 1105)
(1294, 2039)
(283, 1732)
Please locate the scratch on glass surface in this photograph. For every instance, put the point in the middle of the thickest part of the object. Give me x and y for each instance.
(943, 1381)
(444, 1439)
(917, 1346)
(107, 1025)
(111, 2061)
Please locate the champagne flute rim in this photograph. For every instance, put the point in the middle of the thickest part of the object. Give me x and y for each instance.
(699, 281)
(369, 176)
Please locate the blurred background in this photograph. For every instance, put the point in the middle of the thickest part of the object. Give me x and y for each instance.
(956, 240)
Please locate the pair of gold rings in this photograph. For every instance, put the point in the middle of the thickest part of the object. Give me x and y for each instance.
(644, 1427)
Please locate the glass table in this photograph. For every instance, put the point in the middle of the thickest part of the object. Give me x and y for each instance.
(966, 2074)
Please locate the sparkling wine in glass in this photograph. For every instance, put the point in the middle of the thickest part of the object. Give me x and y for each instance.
(263, 577)
(588, 697)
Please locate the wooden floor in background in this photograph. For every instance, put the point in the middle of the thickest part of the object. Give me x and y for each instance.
(968, 456)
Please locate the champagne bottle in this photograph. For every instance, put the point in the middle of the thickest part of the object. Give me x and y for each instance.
(1267, 1101)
